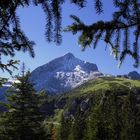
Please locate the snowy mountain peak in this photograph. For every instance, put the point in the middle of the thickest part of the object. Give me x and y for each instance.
(63, 73)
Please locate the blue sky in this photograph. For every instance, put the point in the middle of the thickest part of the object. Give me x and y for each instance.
(33, 24)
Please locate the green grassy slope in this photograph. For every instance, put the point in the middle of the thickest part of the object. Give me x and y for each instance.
(103, 84)
(99, 97)
(97, 88)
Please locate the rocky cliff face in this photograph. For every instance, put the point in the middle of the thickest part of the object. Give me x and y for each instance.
(63, 74)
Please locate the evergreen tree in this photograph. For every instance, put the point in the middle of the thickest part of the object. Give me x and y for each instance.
(131, 120)
(65, 129)
(79, 125)
(24, 119)
(104, 121)
(100, 124)
(114, 113)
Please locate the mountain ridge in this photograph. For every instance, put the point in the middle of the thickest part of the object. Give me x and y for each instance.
(66, 72)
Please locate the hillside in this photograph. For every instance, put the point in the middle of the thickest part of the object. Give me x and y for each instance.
(106, 108)
(112, 103)
(103, 84)
(99, 88)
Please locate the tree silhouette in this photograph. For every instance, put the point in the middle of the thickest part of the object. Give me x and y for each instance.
(23, 119)
(125, 19)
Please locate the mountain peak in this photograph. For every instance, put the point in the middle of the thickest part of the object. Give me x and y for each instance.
(69, 55)
(134, 75)
(134, 72)
(62, 74)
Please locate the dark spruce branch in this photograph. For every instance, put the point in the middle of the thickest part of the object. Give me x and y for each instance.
(125, 21)
(12, 38)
